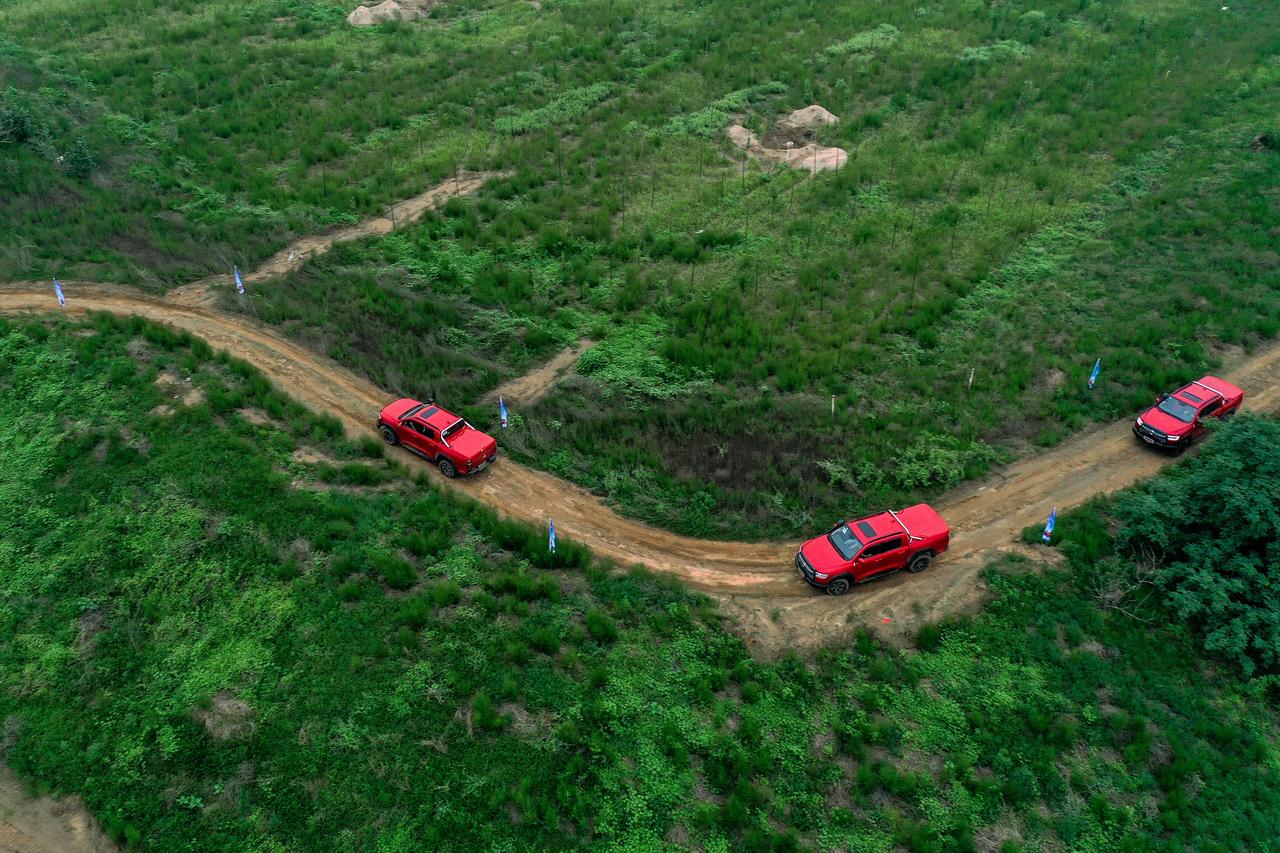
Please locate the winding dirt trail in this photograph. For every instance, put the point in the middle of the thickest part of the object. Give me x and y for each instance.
(755, 581)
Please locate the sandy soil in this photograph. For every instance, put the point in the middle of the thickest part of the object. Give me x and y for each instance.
(390, 10)
(44, 824)
(296, 254)
(535, 384)
(790, 142)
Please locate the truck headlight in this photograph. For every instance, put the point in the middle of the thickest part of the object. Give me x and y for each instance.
(1173, 437)
(1141, 422)
(822, 575)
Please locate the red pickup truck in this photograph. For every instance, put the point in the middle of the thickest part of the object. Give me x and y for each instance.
(1177, 419)
(438, 436)
(871, 547)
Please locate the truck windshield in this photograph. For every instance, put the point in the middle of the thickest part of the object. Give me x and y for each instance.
(1184, 412)
(847, 545)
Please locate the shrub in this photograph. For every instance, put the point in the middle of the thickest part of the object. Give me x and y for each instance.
(485, 716)
(395, 571)
(545, 640)
(445, 593)
(80, 160)
(601, 626)
(929, 637)
(415, 612)
(865, 42)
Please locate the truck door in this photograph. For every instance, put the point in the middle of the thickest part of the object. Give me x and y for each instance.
(421, 438)
(1212, 410)
(878, 558)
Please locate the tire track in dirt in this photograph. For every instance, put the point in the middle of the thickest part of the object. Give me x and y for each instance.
(755, 581)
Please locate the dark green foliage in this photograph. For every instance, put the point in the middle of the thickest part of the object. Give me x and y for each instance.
(80, 160)
(397, 572)
(602, 628)
(1212, 527)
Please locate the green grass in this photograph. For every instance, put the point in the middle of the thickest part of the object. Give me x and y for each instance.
(199, 635)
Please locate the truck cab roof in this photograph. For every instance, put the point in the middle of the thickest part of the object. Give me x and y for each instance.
(919, 521)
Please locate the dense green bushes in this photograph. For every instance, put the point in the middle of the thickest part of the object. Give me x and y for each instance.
(1209, 531)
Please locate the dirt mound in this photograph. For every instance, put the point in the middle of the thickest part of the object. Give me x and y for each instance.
(390, 10)
(810, 117)
(790, 142)
(742, 137)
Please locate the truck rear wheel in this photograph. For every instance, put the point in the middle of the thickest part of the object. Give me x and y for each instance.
(388, 435)
(920, 562)
(446, 468)
(839, 586)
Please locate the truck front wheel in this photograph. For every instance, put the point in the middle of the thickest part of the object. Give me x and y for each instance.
(388, 435)
(839, 586)
(920, 562)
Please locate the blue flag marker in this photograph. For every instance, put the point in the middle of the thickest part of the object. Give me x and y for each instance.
(1048, 528)
(1093, 377)
(239, 283)
(57, 289)
(502, 412)
(551, 535)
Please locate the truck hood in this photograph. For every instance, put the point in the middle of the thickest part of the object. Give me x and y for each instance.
(822, 555)
(1167, 424)
(394, 411)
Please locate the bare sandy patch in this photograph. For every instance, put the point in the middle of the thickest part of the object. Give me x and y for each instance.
(226, 718)
(390, 10)
(312, 456)
(525, 723)
(178, 388)
(46, 824)
(790, 142)
(535, 384)
(256, 416)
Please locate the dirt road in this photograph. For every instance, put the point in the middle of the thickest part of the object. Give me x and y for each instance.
(756, 581)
